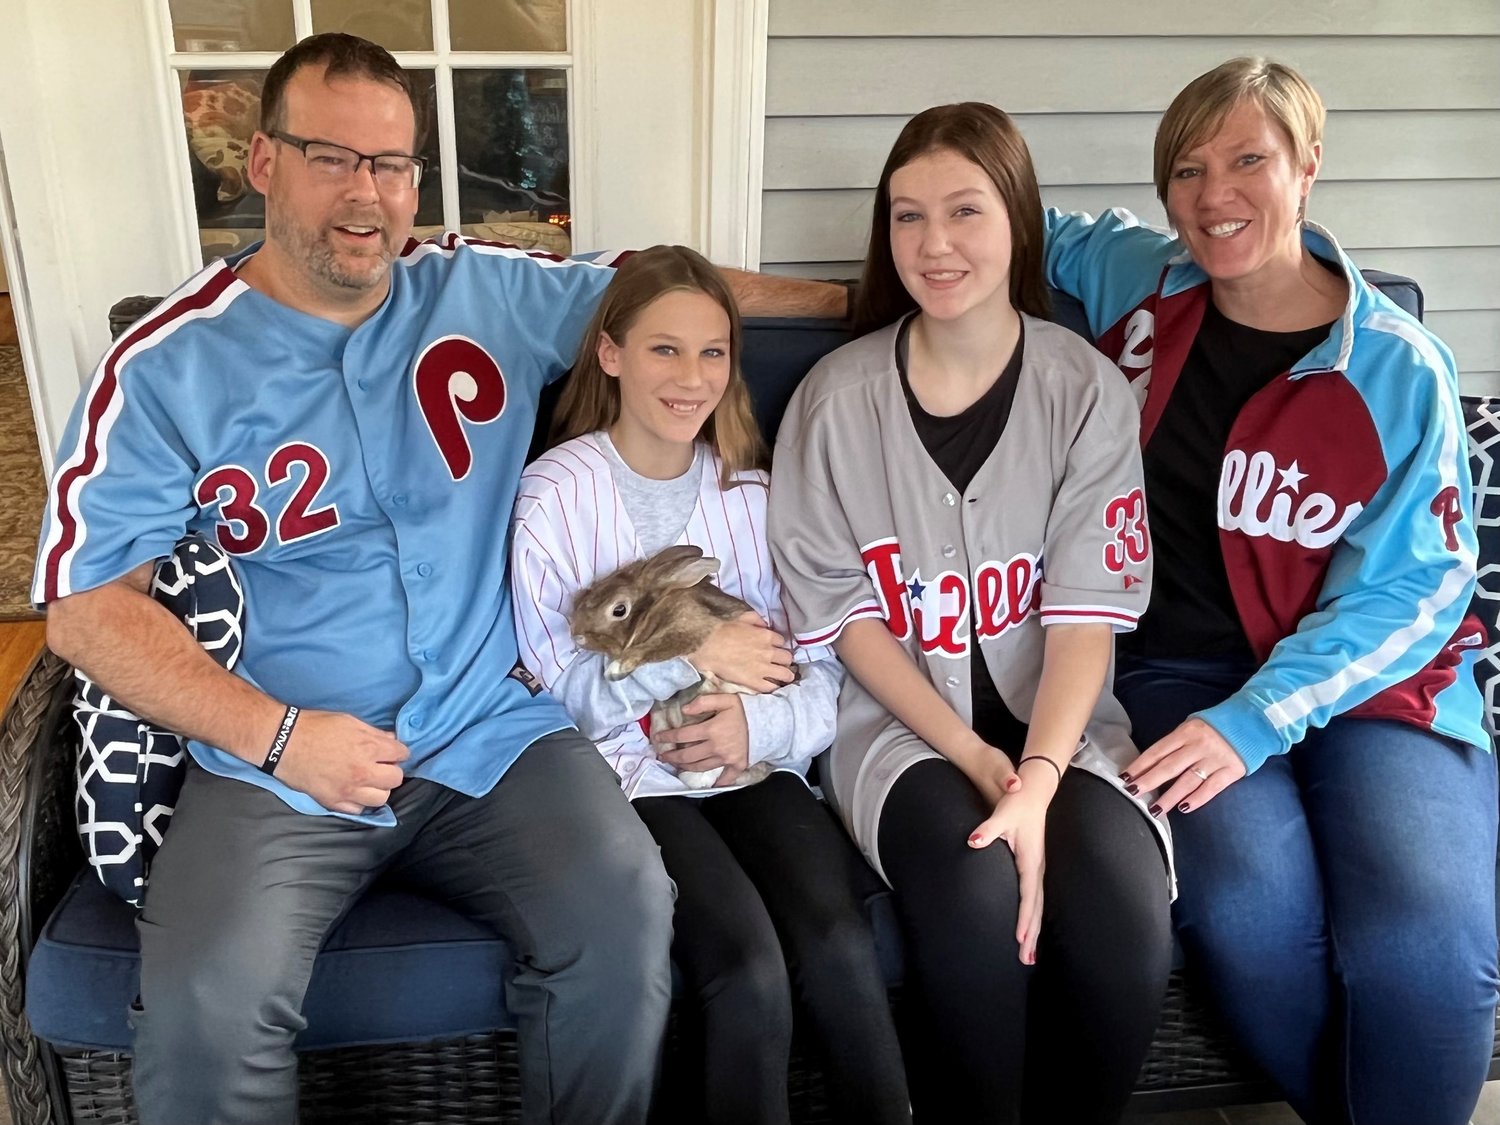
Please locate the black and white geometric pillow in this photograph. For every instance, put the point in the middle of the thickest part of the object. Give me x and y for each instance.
(1482, 418)
(129, 772)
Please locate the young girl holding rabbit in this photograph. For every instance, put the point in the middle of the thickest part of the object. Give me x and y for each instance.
(659, 448)
(957, 509)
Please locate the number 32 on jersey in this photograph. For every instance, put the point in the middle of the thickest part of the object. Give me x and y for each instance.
(246, 526)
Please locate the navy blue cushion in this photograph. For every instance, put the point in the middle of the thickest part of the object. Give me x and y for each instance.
(400, 968)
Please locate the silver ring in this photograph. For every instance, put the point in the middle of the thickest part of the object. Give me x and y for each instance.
(1201, 775)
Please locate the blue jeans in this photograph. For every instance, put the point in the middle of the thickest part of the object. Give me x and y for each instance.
(1339, 903)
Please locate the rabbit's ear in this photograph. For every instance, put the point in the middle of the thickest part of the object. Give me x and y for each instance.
(681, 567)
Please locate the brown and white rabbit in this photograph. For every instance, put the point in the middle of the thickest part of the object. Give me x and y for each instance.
(656, 609)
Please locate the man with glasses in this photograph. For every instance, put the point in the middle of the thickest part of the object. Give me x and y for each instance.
(347, 413)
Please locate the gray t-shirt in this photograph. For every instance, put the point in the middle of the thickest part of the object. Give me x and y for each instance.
(659, 509)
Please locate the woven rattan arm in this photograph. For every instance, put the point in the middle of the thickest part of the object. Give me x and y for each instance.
(39, 854)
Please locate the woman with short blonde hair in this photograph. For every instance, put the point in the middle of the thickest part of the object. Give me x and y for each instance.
(1303, 683)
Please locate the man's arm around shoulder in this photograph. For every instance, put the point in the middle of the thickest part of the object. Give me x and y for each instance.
(138, 652)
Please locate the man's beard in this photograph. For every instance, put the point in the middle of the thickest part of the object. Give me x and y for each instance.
(315, 251)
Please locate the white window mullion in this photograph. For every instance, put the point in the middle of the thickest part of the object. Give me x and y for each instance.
(442, 80)
(582, 150)
(302, 25)
(188, 251)
(509, 60)
(447, 144)
(222, 60)
(733, 144)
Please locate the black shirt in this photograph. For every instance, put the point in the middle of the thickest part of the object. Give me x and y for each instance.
(1192, 609)
(959, 444)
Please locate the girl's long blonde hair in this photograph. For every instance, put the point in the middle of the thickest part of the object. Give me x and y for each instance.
(591, 399)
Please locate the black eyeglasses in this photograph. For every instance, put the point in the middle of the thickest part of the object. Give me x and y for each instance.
(393, 171)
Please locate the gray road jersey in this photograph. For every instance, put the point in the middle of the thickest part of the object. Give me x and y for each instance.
(1051, 530)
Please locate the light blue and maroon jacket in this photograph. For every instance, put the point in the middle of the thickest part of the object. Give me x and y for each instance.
(1345, 503)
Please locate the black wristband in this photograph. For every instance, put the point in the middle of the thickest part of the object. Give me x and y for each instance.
(1040, 758)
(278, 744)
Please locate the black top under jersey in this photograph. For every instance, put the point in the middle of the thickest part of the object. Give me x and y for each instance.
(959, 445)
(1192, 609)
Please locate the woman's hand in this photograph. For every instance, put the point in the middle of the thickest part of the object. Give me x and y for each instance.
(1202, 763)
(1020, 819)
(745, 652)
(722, 739)
(987, 769)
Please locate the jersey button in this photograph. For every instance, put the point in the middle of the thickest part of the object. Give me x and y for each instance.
(363, 384)
(950, 499)
(953, 681)
(415, 721)
(424, 569)
(399, 499)
(429, 655)
(949, 550)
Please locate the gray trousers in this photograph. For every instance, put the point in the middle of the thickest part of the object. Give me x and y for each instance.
(244, 891)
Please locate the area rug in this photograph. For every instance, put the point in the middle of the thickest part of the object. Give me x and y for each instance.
(22, 489)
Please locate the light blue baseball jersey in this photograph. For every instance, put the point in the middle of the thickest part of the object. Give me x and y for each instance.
(362, 479)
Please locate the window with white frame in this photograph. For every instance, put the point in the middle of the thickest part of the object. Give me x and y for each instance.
(493, 96)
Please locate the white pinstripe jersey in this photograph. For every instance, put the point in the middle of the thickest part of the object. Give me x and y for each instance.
(570, 527)
(1050, 531)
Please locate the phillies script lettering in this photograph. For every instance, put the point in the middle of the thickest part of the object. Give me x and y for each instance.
(1259, 497)
(938, 609)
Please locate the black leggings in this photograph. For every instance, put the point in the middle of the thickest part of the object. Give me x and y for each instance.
(749, 865)
(1061, 1041)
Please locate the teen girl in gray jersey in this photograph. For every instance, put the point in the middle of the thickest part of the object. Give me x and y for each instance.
(956, 507)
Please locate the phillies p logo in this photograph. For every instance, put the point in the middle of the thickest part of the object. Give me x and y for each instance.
(1446, 507)
(457, 382)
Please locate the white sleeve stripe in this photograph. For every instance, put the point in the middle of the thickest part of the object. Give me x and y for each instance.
(831, 633)
(1297, 706)
(1119, 611)
(1448, 455)
(1303, 702)
(449, 242)
(206, 295)
(1088, 613)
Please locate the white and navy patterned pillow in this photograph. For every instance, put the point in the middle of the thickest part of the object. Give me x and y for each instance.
(1482, 417)
(129, 772)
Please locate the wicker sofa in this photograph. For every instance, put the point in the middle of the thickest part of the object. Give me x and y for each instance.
(405, 1020)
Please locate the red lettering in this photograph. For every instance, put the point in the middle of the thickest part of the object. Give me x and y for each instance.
(1006, 594)
(944, 631)
(883, 563)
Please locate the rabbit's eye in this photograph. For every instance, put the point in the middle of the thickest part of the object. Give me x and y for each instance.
(620, 609)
